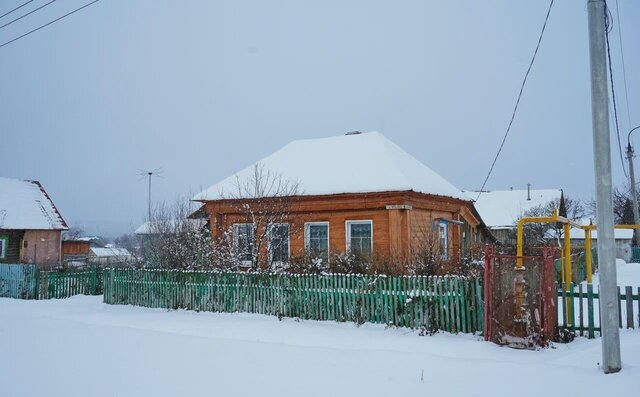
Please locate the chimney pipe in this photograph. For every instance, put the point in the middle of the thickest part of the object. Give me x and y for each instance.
(528, 192)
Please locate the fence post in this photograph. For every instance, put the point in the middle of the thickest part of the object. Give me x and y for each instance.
(629, 304)
(487, 289)
(36, 285)
(590, 311)
(619, 308)
(94, 280)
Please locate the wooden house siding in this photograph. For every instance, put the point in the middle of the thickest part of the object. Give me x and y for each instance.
(14, 238)
(41, 247)
(75, 249)
(398, 219)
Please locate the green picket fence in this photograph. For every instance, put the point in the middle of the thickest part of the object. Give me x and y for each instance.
(578, 266)
(578, 309)
(27, 281)
(635, 254)
(453, 304)
(66, 283)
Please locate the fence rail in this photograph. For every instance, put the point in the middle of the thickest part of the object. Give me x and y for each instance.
(452, 304)
(579, 309)
(27, 281)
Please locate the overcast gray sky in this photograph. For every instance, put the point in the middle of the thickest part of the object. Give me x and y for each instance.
(201, 89)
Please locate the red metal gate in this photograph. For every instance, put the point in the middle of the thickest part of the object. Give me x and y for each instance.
(520, 303)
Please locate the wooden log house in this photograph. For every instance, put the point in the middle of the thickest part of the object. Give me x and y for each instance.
(356, 193)
(30, 224)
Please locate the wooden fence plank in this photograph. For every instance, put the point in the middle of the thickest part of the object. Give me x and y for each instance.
(629, 305)
(447, 303)
(590, 319)
(581, 312)
(619, 309)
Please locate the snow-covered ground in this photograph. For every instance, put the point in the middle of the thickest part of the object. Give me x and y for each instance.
(82, 347)
(628, 274)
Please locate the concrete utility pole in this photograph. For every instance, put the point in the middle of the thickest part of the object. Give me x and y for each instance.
(604, 194)
(634, 193)
(632, 182)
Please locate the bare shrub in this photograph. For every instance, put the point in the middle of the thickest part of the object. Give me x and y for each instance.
(174, 241)
(262, 203)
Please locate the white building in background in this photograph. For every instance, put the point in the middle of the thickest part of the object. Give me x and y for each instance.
(109, 255)
(501, 209)
(623, 240)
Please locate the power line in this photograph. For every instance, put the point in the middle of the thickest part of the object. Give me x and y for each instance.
(515, 108)
(27, 14)
(15, 9)
(607, 24)
(49, 23)
(624, 71)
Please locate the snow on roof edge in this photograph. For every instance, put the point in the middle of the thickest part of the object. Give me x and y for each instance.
(403, 172)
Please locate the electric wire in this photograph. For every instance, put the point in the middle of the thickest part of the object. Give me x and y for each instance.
(15, 9)
(608, 27)
(515, 109)
(48, 23)
(27, 14)
(624, 71)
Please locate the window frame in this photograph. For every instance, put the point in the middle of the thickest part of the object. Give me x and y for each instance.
(307, 236)
(269, 232)
(4, 246)
(236, 239)
(445, 247)
(348, 223)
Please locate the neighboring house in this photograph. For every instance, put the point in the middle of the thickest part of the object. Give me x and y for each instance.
(357, 193)
(501, 209)
(623, 240)
(30, 224)
(109, 255)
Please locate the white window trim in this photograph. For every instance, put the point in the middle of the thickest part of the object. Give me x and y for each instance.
(358, 222)
(288, 241)
(445, 225)
(307, 238)
(3, 247)
(235, 240)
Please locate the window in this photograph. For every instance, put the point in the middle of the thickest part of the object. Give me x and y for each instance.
(4, 243)
(316, 236)
(444, 239)
(360, 237)
(279, 243)
(243, 240)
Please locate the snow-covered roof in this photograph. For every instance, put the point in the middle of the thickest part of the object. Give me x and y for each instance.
(502, 208)
(150, 228)
(110, 252)
(619, 234)
(355, 163)
(24, 205)
(88, 238)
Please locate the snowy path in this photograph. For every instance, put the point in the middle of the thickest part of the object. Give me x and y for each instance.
(81, 347)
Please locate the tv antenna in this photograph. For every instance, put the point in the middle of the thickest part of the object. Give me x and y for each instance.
(150, 174)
